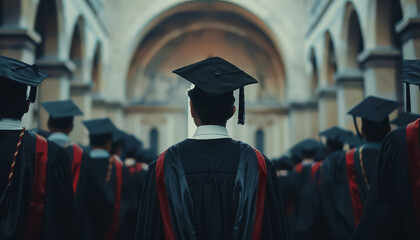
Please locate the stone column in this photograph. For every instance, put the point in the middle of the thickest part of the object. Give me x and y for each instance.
(303, 120)
(21, 44)
(327, 107)
(56, 86)
(381, 72)
(349, 93)
(409, 30)
(80, 94)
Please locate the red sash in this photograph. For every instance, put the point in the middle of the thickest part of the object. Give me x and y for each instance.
(113, 228)
(262, 184)
(75, 165)
(163, 198)
(164, 204)
(413, 149)
(36, 208)
(314, 169)
(356, 200)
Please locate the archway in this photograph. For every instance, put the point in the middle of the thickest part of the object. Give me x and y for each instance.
(330, 62)
(190, 32)
(354, 39)
(314, 74)
(46, 25)
(97, 81)
(77, 50)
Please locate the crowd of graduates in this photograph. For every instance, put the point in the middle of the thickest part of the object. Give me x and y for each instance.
(357, 186)
(342, 186)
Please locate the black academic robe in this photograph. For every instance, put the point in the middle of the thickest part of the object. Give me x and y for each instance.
(133, 181)
(390, 211)
(96, 197)
(306, 219)
(60, 220)
(210, 193)
(344, 188)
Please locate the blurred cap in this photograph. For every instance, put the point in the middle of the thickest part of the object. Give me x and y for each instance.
(374, 109)
(100, 126)
(62, 109)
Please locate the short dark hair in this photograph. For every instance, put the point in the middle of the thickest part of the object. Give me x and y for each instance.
(100, 140)
(212, 110)
(375, 131)
(60, 123)
(13, 99)
(333, 146)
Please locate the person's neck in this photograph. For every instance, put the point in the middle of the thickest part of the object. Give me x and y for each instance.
(212, 124)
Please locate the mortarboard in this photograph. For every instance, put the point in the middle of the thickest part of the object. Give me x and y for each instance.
(20, 72)
(374, 109)
(410, 75)
(404, 119)
(334, 133)
(100, 126)
(215, 77)
(61, 109)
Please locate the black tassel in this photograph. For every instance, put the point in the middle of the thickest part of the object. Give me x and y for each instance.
(32, 94)
(241, 113)
(357, 128)
(408, 97)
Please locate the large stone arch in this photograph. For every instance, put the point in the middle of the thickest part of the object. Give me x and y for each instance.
(352, 36)
(77, 52)
(97, 70)
(171, 28)
(314, 79)
(329, 60)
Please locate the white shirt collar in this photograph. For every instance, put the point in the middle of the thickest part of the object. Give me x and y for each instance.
(61, 139)
(210, 132)
(10, 124)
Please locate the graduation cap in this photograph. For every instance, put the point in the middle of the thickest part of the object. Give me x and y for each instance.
(374, 109)
(410, 75)
(216, 77)
(352, 140)
(405, 118)
(100, 126)
(23, 73)
(61, 109)
(334, 133)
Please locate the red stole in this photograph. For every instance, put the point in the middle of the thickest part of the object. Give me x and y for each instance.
(113, 228)
(356, 200)
(413, 149)
(164, 204)
(36, 208)
(75, 165)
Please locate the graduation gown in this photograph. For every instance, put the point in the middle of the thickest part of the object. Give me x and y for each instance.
(97, 196)
(59, 216)
(133, 181)
(392, 211)
(306, 214)
(211, 188)
(343, 188)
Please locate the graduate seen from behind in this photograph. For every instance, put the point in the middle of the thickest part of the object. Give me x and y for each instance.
(100, 192)
(36, 200)
(392, 210)
(60, 124)
(346, 175)
(211, 186)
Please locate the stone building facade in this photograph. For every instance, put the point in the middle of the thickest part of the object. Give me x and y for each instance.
(314, 60)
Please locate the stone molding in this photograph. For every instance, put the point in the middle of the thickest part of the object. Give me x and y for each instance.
(57, 68)
(384, 57)
(408, 28)
(306, 105)
(349, 75)
(327, 91)
(15, 38)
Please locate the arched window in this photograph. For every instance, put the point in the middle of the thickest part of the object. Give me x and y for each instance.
(154, 141)
(259, 140)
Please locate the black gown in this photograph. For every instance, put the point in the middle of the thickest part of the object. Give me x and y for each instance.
(96, 197)
(389, 211)
(306, 219)
(60, 220)
(336, 198)
(210, 169)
